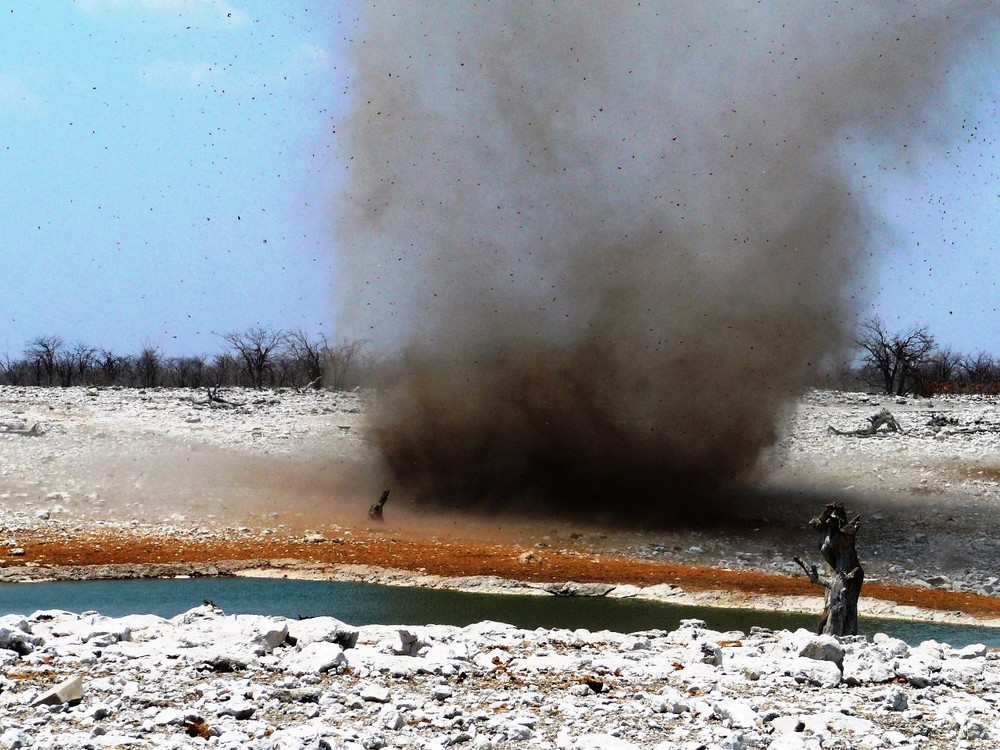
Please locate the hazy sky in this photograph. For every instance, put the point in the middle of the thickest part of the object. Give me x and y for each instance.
(167, 170)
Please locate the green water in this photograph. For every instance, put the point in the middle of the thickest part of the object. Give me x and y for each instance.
(363, 604)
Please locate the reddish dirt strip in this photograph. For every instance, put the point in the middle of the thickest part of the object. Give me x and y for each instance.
(455, 557)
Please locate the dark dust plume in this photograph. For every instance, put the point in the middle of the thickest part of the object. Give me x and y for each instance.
(603, 244)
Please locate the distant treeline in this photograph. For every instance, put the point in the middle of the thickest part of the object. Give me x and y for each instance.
(257, 358)
(894, 362)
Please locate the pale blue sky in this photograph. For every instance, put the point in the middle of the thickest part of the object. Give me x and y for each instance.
(940, 263)
(167, 171)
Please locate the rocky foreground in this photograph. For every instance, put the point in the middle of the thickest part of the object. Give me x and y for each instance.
(250, 681)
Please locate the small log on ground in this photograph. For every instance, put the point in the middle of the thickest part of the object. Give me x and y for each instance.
(35, 430)
(883, 419)
(375, 512)
(843, 588)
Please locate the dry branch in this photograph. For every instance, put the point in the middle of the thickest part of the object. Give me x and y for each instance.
(311, 385)
(375, 512)
(812, 572)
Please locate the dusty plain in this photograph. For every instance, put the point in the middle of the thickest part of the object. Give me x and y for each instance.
(152, 482)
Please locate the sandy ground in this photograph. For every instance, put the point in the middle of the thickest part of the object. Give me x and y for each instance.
(138, 477)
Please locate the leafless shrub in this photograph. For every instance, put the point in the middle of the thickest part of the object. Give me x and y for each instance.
(75, 365)
(113, 369)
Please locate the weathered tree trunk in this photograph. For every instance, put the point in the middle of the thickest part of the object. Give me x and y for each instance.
(213, 399)
(883, 419)
(838, 535)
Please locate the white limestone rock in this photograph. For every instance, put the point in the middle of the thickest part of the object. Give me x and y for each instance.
(316, 657)
(813, 672)
(891, 646)
(514, 688)
(736, 712)
(391, 719)
(16, 635)
(69, 691)
(920, 669)
(239, 709)
(327, 629)
(822, 648)
(602, 742)
(376, 694)
(972, 651)
(168, 716)
(896, 700)
(868, 666)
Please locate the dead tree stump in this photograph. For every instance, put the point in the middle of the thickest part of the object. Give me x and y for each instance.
(375, 512)
(843, 589)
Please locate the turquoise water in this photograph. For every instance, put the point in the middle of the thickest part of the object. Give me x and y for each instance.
(363, 604)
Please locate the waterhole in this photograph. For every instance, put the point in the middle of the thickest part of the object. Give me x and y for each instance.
(364, 604)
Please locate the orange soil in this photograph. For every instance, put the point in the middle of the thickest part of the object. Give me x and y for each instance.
(456, 557)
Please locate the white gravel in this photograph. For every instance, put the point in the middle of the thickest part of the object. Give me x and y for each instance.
(249, 682)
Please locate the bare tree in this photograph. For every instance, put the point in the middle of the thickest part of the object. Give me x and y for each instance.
(285, 370)
(222, 371)
(65, 368)
(114, 369)
(149, 367)
(43, 352)
(942, 366)
(51, 359)
(255, 347)
(895, 358)
(74, 364)
(258, 357)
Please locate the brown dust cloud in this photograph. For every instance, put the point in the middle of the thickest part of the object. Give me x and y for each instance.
(602, 245)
